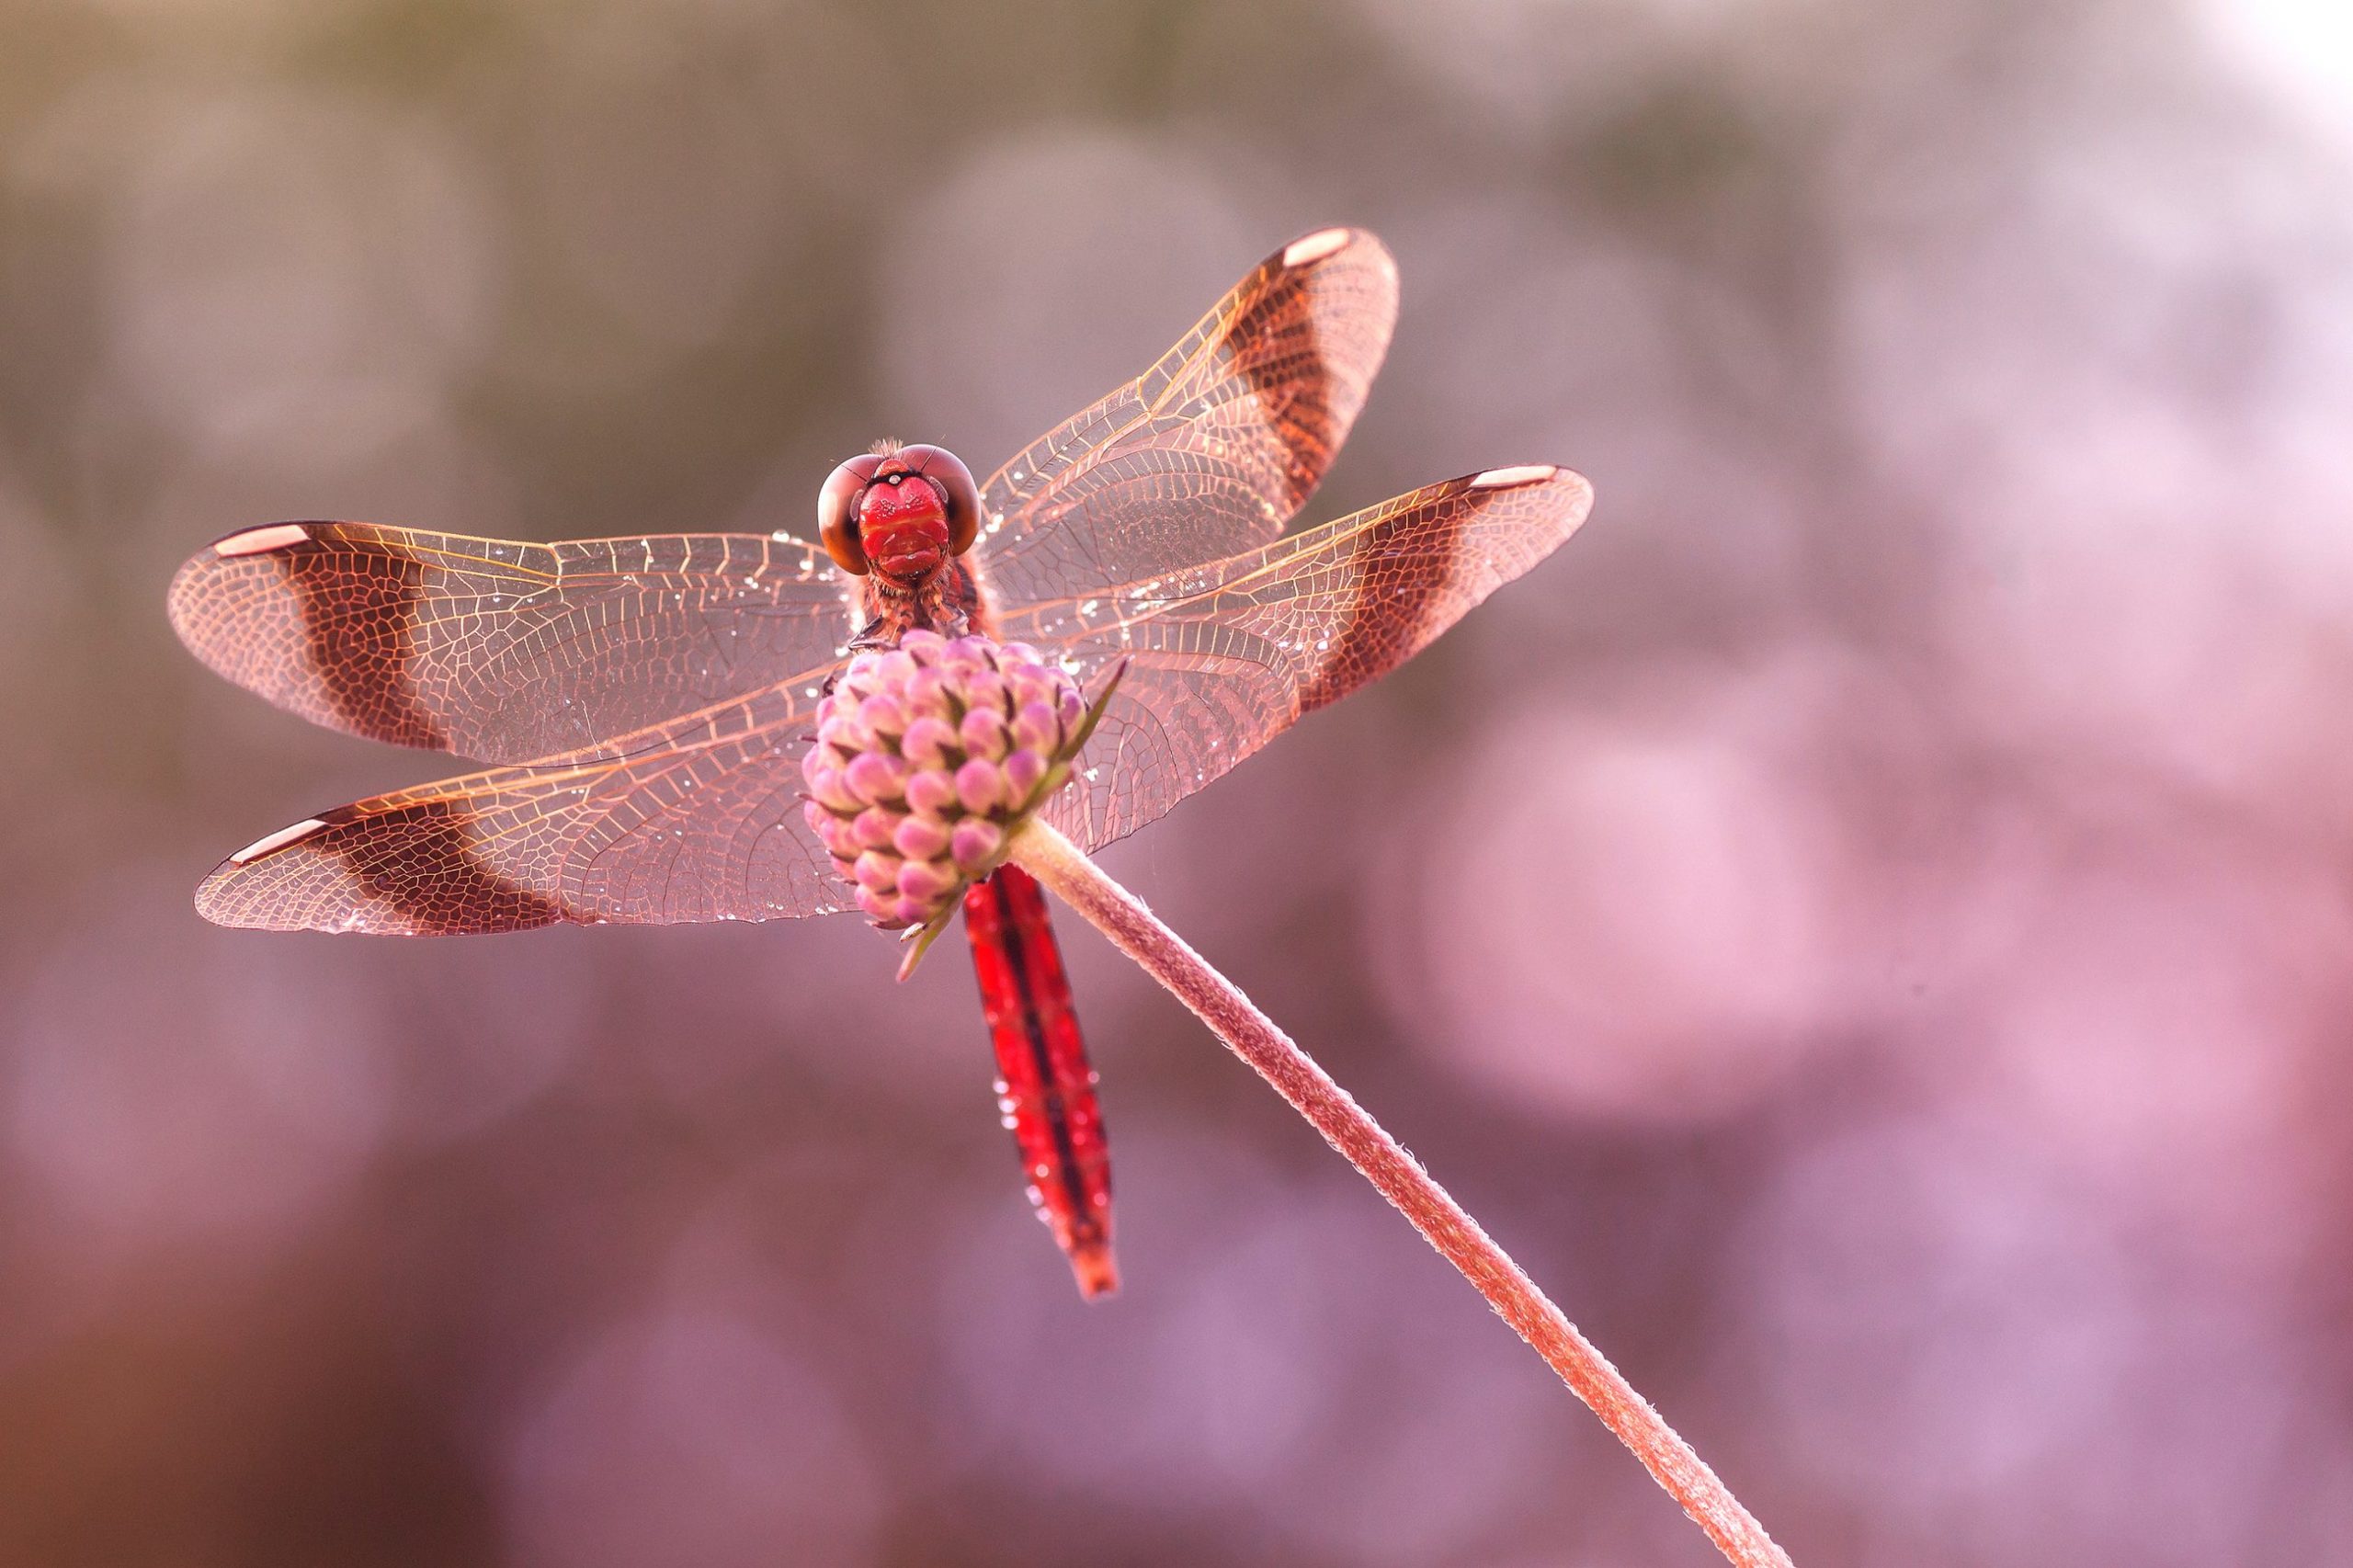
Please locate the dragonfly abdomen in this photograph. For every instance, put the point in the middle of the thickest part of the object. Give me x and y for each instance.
(1045, 1083)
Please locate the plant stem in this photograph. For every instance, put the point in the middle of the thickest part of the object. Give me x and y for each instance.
(1348, 1127)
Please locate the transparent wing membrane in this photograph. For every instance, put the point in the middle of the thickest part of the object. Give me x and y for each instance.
(502, 651)
(1214, 447)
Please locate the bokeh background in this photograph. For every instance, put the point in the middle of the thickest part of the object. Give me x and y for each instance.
(1867, 923)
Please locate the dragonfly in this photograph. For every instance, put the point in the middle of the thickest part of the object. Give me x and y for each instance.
(641, 705)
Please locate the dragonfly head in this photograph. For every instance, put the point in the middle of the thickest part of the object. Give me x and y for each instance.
(899, 512)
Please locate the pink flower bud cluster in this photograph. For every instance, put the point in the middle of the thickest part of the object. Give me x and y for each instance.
(928, 757)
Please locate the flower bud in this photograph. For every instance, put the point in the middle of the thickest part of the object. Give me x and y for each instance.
(930, 757)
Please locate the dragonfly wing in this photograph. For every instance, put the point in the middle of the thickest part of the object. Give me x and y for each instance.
(1213, 448)
(503, 651)
(698, 819)
(1222, 658)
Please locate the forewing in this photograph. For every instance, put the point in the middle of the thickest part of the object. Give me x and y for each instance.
(502, 651)
(1222, 658)
(698, 819)
(1216, 447)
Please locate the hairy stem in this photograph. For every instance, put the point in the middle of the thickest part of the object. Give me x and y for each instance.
(1348, 1127)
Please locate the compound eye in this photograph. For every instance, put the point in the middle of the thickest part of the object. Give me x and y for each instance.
(837, 512)
(947, 470)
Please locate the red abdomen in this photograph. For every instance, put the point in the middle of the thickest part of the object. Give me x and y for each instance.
(1045, 1084)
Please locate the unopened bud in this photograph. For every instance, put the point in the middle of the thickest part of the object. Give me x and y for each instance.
(930, 757)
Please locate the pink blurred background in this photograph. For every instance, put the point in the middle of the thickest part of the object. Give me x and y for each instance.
(1868, 924)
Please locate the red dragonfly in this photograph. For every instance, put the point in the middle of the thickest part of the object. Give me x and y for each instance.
(646, 701)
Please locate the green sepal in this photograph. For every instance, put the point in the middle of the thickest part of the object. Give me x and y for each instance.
(1094, 709)
(924, 934)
